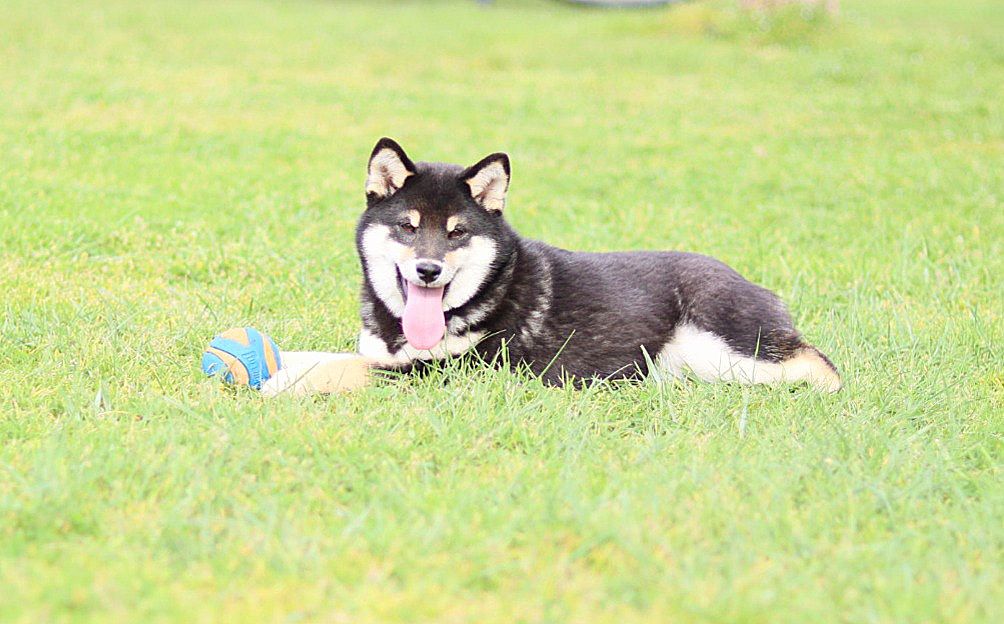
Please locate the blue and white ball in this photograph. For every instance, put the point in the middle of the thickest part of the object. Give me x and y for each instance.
(242, 356)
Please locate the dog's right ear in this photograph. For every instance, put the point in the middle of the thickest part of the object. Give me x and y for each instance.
(389, 167)
(489, 181)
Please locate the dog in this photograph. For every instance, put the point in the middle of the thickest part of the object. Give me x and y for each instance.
(444, 275)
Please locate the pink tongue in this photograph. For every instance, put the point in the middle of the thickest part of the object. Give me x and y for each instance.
(424, 322)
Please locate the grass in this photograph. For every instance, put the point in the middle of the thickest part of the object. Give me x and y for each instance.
(171, 169)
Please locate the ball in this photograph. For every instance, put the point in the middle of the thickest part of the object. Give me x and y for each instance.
(242, 356)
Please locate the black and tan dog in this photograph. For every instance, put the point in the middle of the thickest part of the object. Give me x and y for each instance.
(445, 275)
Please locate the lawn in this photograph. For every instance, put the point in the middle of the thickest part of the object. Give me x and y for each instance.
(171, 169)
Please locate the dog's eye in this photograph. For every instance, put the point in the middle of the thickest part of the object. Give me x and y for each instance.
(407, 227)
(456, 233)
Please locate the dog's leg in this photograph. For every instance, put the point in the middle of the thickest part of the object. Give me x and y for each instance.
(313, 372)
(709, 358)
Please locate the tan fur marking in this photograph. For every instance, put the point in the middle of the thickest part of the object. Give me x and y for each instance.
(407, 253)
(414, 218)
(807, 365)
(451, 223)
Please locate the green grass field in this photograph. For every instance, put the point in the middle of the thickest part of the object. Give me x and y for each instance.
(171, 169)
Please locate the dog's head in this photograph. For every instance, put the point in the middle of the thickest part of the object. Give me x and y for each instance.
(431, 235)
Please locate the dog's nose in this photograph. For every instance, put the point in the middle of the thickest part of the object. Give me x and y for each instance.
(428, 271)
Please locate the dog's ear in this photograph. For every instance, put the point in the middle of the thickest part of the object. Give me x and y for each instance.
(389, 167)
(489, 181)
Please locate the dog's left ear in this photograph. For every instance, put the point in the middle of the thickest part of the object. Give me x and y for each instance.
(489, 181)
